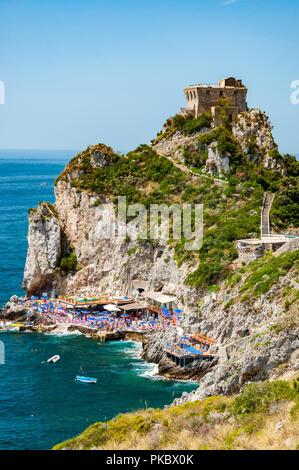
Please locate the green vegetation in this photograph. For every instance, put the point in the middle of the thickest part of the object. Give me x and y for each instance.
(218, 250)
(245, 421)
(187, 124)
(266, 271)
(128, 176)
(50, 207)
(69, 262)
(259, 396)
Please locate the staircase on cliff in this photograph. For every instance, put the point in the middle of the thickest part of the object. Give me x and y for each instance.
(265, 217)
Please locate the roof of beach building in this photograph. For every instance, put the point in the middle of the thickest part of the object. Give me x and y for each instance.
(158, 297)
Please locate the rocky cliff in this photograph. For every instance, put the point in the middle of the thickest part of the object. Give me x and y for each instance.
(105, 263)
(227, 168)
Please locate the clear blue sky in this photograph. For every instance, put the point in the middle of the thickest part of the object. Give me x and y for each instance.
(78, 72)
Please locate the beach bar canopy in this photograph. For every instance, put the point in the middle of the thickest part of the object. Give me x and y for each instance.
(111, 308)
(160, 298)
(134, 306)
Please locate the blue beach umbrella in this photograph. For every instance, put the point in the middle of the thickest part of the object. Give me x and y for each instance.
(178, 310)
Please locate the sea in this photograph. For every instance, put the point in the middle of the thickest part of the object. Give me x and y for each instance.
(41, 404)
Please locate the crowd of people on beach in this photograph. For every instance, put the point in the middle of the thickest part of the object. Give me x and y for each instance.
(52, 311)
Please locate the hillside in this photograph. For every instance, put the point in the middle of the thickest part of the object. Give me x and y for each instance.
(86, 193)
(264, 417)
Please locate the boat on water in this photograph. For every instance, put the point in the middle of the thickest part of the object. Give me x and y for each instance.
(87, 380)
(3, 330)
(54, 358)
(15, 326)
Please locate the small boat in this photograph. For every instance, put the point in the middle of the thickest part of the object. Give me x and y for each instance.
(54, 358)
(13, 328)
(87, 380)
(3, 330)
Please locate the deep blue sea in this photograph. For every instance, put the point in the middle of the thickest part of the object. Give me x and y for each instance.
(21, 175)
(41, 404)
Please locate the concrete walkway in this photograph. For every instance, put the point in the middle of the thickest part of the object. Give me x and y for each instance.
(265, 217)
(193, 173)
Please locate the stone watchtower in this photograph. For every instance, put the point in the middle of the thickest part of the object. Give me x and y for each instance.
(205, 98)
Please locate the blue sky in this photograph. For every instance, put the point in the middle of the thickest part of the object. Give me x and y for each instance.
(81, 72)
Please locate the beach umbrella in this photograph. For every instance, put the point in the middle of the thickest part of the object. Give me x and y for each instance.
(165, 311)
(178, 310)
(85, 311)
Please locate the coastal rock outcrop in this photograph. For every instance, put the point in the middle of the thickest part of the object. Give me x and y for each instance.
(251, 131)
(44, 248)
(13, 310)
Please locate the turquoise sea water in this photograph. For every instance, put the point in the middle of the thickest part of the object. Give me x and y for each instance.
(41, 404)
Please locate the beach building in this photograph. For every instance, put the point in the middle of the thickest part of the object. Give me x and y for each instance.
(157, 300)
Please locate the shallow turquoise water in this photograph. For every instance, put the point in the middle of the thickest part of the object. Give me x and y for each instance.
(41, 404)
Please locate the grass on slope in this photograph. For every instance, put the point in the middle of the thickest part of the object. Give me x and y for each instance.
(266, 271)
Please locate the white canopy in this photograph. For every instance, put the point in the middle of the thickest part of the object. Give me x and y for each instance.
(112, 308)
(158, 297)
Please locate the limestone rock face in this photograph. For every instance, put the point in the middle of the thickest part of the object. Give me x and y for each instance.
(44, 247)
(107, 263)
(13, 310)
(216, 163)
(250, 343)
(101, 156)
(253, 131)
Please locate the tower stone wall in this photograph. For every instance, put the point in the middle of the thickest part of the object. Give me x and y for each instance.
(202, 98)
